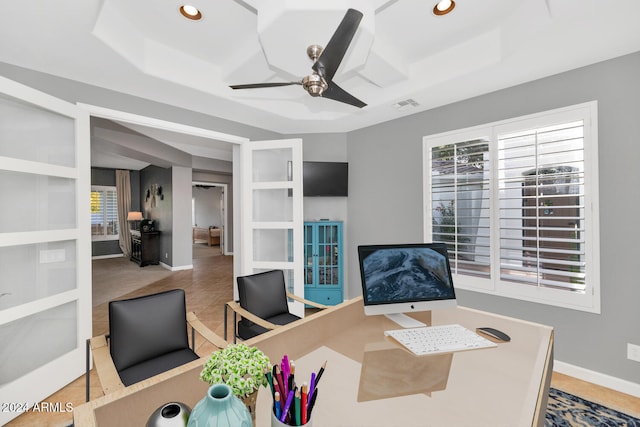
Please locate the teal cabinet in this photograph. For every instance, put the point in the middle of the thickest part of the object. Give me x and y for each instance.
(323, 270)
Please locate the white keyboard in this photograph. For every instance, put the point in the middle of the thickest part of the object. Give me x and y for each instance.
(439, 339)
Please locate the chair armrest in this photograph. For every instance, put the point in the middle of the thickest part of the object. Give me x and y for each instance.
(306, 301)
(207, 333)
(106, 370)
(235, 306)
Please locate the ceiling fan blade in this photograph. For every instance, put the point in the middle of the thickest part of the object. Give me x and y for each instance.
(336, 93)
(331, 57)
(263, 85)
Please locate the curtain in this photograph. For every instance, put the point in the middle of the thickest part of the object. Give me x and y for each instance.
(123, 193)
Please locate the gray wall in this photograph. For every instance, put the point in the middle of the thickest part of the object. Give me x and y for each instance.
(325, 147)
(182, 243)
(385, 202)
(162, 212)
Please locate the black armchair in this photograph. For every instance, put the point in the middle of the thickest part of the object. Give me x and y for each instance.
(262, 305)
(147, 336)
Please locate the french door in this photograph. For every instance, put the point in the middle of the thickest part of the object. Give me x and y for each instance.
(45, 247)
(271, 212)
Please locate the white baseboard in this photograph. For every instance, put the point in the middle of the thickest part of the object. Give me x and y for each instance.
(177, 268)
(107, 256)
(604, 380)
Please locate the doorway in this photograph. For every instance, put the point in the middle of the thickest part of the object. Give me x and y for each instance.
(209, 215)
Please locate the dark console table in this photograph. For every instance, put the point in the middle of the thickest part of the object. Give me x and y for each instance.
(145, 248)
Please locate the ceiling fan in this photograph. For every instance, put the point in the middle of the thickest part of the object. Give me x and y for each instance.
(325, 64)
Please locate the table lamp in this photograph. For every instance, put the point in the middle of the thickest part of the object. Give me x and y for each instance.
(135, 217)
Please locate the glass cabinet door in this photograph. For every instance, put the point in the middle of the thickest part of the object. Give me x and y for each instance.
(328, 255)
(309, 255)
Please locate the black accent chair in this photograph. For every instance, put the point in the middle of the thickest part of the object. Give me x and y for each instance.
(262, 305)
(147, 336)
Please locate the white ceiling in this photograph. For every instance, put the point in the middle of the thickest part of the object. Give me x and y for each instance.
(401, 51)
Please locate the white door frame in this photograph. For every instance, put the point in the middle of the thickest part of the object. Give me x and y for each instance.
(110, 114)
(107, 113)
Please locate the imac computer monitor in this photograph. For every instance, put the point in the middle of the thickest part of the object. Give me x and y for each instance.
(398, 279)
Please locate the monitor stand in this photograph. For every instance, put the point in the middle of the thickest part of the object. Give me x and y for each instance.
(404, 320)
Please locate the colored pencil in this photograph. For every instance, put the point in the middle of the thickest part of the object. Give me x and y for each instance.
(303, 402)
(297, 406)
(276, 404)
(287, 406)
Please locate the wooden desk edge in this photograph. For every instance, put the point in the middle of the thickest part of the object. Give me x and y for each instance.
(545, 383)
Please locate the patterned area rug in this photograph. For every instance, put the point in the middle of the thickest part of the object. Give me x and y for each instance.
(567, 410)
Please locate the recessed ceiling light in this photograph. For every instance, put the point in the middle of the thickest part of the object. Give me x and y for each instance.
(190, 12)
(443, 7)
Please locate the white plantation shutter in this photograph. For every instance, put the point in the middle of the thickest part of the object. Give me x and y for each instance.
(518, 207)
(104, 213)
(542, 214)
(460, 204)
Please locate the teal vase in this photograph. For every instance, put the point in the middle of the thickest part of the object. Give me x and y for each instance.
(220, 408)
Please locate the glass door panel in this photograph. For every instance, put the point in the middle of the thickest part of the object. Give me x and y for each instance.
(328, 255)
(272, 245)
(49, 268)
(23, 350)
(24, 127)
(272, 165)
(272, 205)
(309, 256)
(36, 202)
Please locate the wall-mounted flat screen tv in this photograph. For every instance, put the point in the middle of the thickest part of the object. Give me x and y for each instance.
(325, 179)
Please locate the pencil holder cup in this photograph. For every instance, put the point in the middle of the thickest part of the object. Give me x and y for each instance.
(277, 423)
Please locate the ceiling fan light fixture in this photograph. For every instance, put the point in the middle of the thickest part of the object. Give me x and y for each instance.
(190, 12)
(314, 84)
(443, 7)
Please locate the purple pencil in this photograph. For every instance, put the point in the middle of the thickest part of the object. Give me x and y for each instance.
(287, 405)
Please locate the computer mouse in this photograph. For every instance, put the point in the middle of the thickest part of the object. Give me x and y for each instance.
(494, 333)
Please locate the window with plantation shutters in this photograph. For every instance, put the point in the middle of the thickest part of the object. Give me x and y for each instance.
(516, 204)
(541, 200)
(104, 213)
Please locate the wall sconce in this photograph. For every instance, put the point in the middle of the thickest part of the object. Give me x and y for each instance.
(134, 217)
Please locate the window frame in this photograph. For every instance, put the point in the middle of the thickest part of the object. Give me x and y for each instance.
(589, 299)
(105, 237)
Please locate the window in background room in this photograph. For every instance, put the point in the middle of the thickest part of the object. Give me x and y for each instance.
(104, 213)
(516, 204)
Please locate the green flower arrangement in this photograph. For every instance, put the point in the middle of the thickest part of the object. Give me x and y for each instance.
(239, 366)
